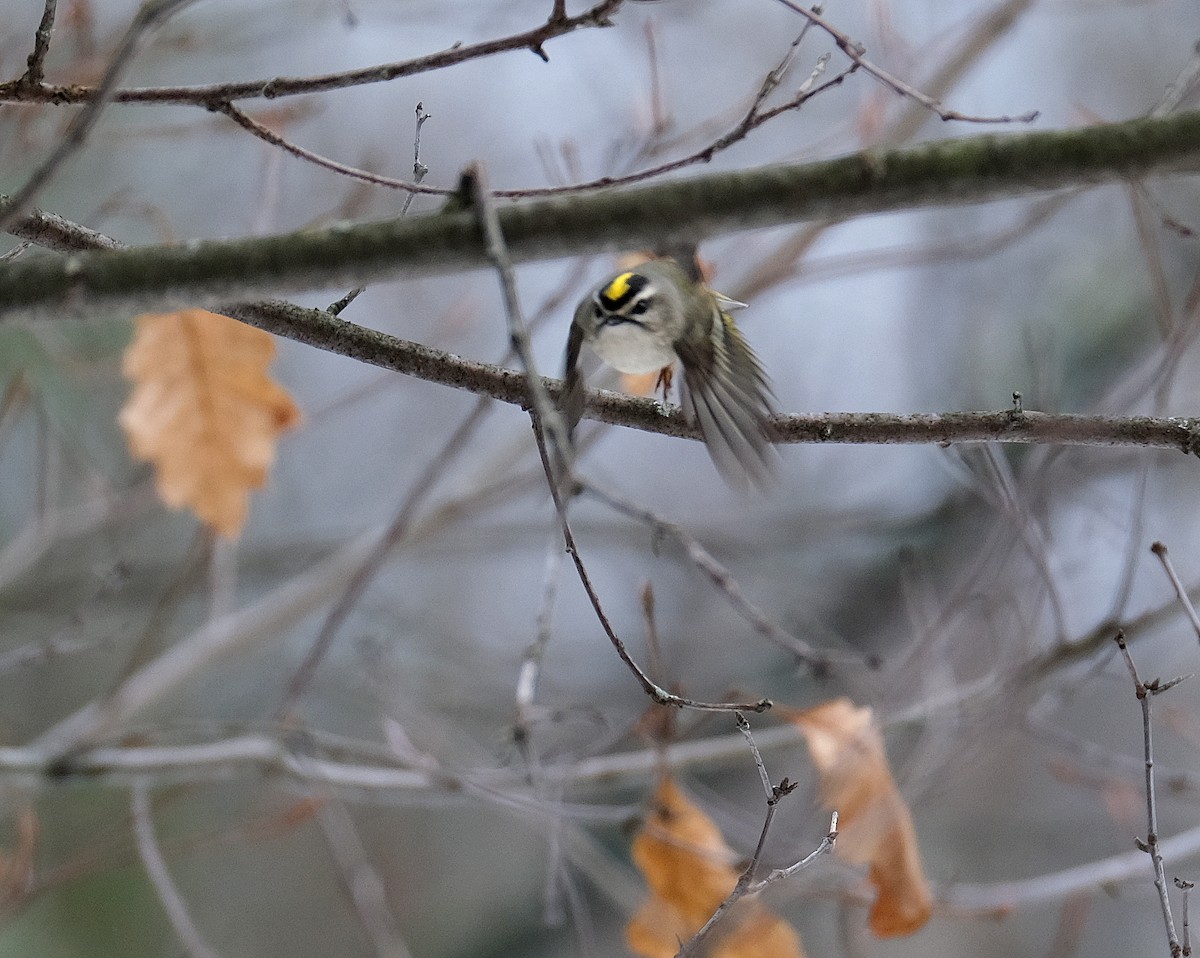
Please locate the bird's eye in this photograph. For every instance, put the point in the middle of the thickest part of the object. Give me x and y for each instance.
(639, 307)
(597, 310)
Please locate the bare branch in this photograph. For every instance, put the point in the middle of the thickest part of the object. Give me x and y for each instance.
(823, 848)
(748, 735)
(948, 172)
(820, 661)
(217, 93)
(855, 51)
(268, 135)
(362, 881)
(419, 168)
(1160, 550)
(1145, 693)
(160, 877)
(1183, 86)
(556, 452)
(1186, 887)
(745, 884)
(1003, 897)
(542, 409)
(36, 64)
(151, 15)
(531, 663)
(33, 766)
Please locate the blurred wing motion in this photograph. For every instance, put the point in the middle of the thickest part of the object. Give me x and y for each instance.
(573, 391)
(727, 394)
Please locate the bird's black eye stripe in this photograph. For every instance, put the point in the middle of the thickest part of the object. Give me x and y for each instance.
(621, 291)
(639, 307)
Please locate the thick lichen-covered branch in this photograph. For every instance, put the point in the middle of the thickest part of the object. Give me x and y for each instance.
(959, 171)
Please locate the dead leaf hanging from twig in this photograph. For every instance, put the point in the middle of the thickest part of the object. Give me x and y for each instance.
(875, 827)
(690, 871)
(204, 411)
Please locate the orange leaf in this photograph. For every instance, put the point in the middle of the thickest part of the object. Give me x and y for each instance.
(874, 825)
(204, 411)
(690, 871)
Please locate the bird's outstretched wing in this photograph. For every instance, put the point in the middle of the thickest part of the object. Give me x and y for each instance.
(727, 394)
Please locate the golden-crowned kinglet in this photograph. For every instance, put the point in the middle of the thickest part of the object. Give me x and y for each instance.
(644, 320)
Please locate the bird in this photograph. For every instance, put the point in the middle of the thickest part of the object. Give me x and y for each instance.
(657, 315)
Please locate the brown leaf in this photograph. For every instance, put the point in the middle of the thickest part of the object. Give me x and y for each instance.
(690, 871)
(874, 825)
(204, 411)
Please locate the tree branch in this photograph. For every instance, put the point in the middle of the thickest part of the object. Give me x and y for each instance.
(214, 94)
(950, 172)
(317, 328)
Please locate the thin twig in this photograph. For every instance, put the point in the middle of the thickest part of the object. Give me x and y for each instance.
(419, 169)
(1160, 550)
(542, 409)
(1183, 86)
(821, 663)
(746, 886)
(362, 881)
(16, 251)
(653, 645)
(1186, 887)
(695, 944)
(752, 120)
(216, 93)
(550, 432)
(855, 51)
(364, 574)
(160, 877)
(151, 15)
(531, 664)
(745, 881)
(660, 695)
(339, 306)
(35, 71)
(825, 846)
(418, 493)
(748, 735)
(265, 133)
(356, 767)
(556, 454)
(1145, 692)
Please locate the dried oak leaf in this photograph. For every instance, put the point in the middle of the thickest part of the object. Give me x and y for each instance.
(204, 411)
(874, 824)
(690, 871)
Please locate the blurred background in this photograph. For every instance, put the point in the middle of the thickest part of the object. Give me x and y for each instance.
(987, 580)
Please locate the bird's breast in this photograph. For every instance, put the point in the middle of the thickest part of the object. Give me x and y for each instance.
(631, 348)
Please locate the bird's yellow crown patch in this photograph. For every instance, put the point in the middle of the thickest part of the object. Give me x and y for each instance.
(621, 290)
